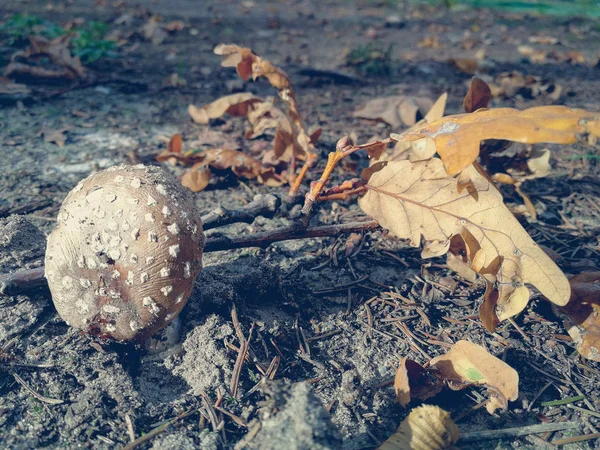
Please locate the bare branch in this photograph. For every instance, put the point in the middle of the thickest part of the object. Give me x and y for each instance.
(262, 205)
(28, 279)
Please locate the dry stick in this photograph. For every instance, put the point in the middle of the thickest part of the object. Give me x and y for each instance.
(23, 280)
(573, 439)
(239, 363)
(40, 397)
(516, 432)
(343, 148)
(262, 205)
(294, 231)
(158, 430)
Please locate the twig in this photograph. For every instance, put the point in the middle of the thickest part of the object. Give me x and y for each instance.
(158, 430)
(343, 148)
(294, 231)
(487, 435)
(262, 205)
(538, 395)
(24, 280)
(40, 397)
(239, 363)
(584, 411)
(342, 287)
(572, 439)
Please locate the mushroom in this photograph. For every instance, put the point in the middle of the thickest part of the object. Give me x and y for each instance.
(123, 259)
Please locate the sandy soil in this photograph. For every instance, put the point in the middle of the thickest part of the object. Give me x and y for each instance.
(341, 395)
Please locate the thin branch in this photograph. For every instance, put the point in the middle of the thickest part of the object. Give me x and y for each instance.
(487, 435)
(343, 148)
(28, 279)
(295, 231)
(262, 205)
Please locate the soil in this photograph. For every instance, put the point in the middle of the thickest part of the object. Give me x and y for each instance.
(294, 294)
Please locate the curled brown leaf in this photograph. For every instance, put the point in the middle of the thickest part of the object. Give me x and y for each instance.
(234, 104)
(582, 314)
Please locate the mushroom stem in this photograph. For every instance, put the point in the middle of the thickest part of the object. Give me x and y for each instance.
(28, 279)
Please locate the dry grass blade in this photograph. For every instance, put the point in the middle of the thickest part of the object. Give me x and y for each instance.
(419, 201)
(457, 138)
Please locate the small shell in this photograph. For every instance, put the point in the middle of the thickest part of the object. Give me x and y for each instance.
(427, 427)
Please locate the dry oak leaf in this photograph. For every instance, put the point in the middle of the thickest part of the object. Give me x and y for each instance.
(468, 364)
(248, 64)
(427, 427)
(58, 53)
(465, 65)
(465, 364)
(509, 84)
(395, 110)
(420, 202)
(582, 314)
(234, 104)
(55, 136)
(221, 158)
(196, 178)
(287, 142)
(457, 138)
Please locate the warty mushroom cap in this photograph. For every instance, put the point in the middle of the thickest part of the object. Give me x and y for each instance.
(124, 256)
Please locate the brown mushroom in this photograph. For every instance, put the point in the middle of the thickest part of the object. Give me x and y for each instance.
(126, 252)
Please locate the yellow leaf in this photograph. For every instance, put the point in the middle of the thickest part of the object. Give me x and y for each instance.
(457, 138)
(420, 202)
(470, 364)
(427, 427)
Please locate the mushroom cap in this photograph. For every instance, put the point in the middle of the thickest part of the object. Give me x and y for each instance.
(124, 256)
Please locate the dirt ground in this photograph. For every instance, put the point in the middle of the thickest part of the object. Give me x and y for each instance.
(341, 395)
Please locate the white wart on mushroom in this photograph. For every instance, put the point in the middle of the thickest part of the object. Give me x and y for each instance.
(124, 256)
